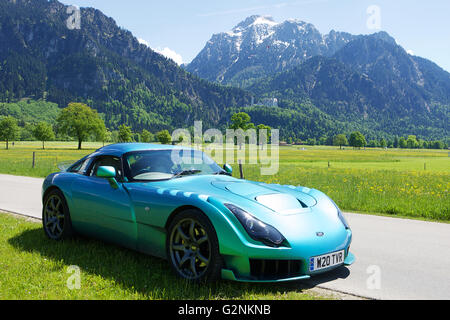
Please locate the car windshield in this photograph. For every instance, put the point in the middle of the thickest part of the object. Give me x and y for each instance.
(168, 164)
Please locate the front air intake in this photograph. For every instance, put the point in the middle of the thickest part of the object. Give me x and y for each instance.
(262, 269)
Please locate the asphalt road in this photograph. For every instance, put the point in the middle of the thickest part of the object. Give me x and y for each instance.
(395, 258)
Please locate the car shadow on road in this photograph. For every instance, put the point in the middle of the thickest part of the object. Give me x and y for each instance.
(149, 276)
(317, 280)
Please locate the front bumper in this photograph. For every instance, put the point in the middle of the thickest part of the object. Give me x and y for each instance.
(300, 274)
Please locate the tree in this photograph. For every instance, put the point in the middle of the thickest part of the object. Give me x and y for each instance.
(164, 137)
(402, 143)
(396, 143)
(146, 136)
(390, 144)
(263, 134)
(103, 134)
(125, 134)
(44, 132)
(115, 136)
(241, 120)
(340, 140)
(8, 130)
(323, 141)
(383, 143)
(357, 140)
(411, 142)
(79, 121)
(437, 145)
(372, 144)
(27, 132)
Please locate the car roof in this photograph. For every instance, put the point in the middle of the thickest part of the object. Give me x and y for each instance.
(119, 149)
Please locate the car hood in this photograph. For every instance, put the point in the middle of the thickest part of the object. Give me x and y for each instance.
(281, 200)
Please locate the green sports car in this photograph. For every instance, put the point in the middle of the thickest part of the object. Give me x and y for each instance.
(177, 203)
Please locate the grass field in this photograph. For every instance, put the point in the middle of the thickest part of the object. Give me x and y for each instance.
(412, 183)
(33, 267)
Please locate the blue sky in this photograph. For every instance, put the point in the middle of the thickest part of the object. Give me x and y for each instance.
(181, 28)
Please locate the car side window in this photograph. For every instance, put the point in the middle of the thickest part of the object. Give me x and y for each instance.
(81, 166)
(107, 161)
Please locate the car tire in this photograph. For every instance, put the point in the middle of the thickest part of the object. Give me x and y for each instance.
(192, 247)
(56, 219)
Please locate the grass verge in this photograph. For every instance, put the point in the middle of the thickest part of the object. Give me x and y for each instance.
(33, 267)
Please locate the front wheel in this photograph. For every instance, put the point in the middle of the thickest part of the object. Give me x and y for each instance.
(192, 247)
(56, 216)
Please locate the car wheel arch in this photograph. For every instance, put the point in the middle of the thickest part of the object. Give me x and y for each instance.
(178, 210)
(48, 190)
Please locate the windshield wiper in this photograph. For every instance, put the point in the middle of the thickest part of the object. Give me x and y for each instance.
(223, 172)
(186, 173)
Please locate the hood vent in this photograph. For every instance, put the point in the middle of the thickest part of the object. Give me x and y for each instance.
(282, 203)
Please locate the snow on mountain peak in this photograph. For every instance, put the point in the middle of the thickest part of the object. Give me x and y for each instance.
(265, 20)
(255, 20)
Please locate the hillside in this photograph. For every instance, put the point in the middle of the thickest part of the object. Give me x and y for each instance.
(102, 65)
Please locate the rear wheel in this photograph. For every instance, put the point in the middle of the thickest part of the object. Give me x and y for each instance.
(192, 247)
(56, 216)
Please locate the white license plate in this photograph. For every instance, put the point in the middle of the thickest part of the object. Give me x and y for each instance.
(326, 261)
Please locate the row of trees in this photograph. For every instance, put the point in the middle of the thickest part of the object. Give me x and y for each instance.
(125, 134)
(82, 123)
(357, 140)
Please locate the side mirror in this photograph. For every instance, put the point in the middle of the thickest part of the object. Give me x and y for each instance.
(228, 169)
(108, 173)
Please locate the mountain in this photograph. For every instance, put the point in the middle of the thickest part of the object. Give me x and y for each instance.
(259, 46)
(103, 65)
(410, 80)
(364, 81)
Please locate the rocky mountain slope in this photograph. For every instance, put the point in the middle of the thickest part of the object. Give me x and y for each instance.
(259, 46)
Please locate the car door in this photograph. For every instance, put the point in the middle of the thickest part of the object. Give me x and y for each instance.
(104, 211)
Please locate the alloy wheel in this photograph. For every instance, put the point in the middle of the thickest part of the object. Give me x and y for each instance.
(54, 217)
(190, 249)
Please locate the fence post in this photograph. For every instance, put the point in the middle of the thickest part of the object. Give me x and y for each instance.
(241, 170)
(34, 159)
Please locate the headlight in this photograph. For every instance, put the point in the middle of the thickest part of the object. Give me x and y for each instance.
(257, 229)
(341, 215)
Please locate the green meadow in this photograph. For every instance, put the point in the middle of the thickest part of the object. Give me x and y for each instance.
(397, 182)
(407, 183)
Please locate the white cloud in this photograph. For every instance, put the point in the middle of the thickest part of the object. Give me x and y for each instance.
(142, 41)
(166, 52)
(169, 53)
